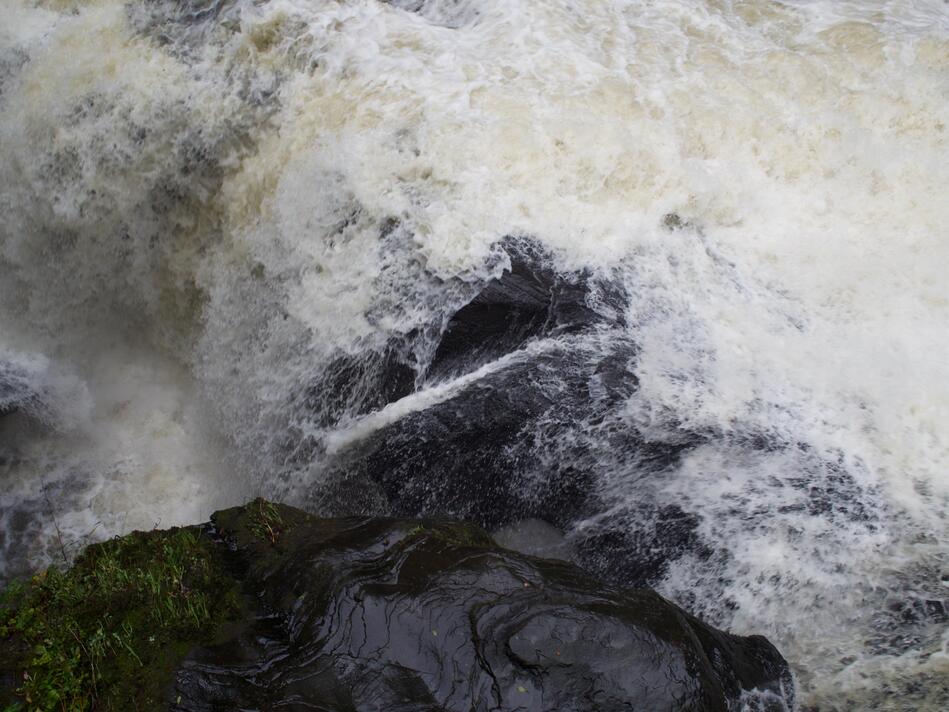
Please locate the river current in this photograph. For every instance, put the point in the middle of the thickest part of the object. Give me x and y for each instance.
(233, 234)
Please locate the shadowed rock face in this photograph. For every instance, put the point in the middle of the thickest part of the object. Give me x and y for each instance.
(529, 300)
(536, 433)
(389, 615)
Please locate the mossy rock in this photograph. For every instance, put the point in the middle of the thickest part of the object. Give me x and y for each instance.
(268, 607)
(109, 632)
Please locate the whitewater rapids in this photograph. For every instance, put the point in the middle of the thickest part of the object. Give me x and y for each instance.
(206, 204)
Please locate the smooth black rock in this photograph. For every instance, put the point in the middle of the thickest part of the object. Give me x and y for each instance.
(390, 615)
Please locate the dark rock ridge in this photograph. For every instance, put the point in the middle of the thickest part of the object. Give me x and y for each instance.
(540, 430)
(382, 614)
(422, 615)
(385, 614)
(530, 300)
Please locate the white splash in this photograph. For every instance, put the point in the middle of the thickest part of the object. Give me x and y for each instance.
(220, 198)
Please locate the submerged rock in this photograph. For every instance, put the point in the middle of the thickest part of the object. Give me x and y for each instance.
(381, 614)
(535, 372)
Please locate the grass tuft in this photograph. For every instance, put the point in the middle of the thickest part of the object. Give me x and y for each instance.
(265, 521)
(108, 633)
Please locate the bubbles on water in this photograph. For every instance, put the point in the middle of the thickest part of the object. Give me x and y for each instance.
(288, 201)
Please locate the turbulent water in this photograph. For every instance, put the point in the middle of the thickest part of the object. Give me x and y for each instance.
(233, 232)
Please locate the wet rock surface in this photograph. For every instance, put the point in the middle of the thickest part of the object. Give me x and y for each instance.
(267, 607)
(529, 300)
(540, 365)
(387, 614)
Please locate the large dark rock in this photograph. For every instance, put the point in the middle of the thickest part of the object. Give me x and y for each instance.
(270, 608)
(383, 614)
(530, 300)
(537, 433)
(475, 455)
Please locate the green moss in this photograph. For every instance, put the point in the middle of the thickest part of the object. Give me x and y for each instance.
(260, 525)
(108, 633)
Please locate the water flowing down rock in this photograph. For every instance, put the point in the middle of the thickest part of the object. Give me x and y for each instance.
(519, 415)
(657, 288)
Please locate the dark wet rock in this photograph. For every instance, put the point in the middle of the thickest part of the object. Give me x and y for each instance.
(270, 608)
(535, 433)
(356, 385)
(529, 300)
(474, 456)
(383, 614)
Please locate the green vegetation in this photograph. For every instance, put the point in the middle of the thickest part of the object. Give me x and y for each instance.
(264, 520)
(108, 633)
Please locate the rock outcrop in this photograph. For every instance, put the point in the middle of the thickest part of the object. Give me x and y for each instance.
(539, 432)
(389, 615)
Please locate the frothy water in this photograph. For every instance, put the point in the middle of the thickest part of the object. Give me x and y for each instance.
(222, 222)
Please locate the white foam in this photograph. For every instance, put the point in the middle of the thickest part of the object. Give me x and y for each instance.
(362, 427)
(803, 142)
